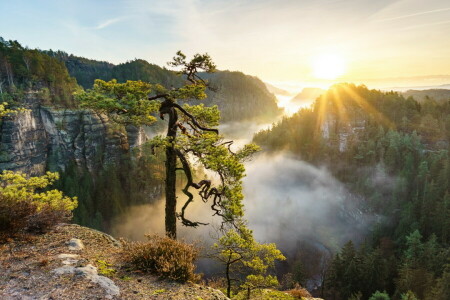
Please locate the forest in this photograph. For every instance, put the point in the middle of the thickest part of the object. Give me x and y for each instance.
(389, 150)
(393, 152)
(23, 69)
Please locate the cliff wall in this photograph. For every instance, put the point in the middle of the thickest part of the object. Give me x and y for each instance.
(45, 138)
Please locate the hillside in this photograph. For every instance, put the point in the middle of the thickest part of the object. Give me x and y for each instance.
(241, 97)
(393, 153)
(87, 70)
(275, 90)
(52, 266)
(440, 95)
(307, 95)
(238, 96)
(83, 69)
(22, 69)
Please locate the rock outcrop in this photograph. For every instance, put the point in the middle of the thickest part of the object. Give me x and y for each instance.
(45, 138)
(45, 267)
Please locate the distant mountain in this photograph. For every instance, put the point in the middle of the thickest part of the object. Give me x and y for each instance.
(241, 97)
(275, 90)
(436, 94)
(307, 94)
(87, 70)
(83, 69)
(238, 96)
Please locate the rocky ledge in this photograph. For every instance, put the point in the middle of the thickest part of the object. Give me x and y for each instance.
(75, 262)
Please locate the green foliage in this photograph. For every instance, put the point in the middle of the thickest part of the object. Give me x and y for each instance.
(135, 102)
(379, 296)
(241, 254)
(125, 102)
(104, 268)
(26, 206)
(87, 70)
(22, 69)
(5, 111)
(105, 193)
(409, 295)
(162, 256)
(16, 187)
(157, 292)
(265, 294)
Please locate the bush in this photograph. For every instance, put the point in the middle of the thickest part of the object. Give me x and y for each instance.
(409, 296)
(299, 293)
(26, 207)
(164, 257)
(379, 296)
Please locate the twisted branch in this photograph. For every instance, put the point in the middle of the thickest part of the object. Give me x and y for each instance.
(205, 192)
(194, 121)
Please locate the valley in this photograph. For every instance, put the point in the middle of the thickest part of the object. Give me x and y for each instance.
(349, 181)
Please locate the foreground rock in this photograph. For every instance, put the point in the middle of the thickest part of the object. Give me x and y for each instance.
(48, 267)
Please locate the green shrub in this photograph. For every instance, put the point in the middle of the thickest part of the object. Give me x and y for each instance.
(162, 256)
(26, 207)
(409, 295)
(379, 296)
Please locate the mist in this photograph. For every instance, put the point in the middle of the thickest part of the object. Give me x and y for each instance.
(286, 201)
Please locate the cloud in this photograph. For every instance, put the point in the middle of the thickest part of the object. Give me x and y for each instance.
(414, 14)
(110, 22)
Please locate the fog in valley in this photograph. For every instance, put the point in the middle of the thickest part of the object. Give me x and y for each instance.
(287, 201)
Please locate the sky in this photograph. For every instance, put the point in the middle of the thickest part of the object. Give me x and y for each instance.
(279, 41)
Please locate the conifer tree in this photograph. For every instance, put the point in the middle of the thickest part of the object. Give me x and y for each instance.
(136, 102)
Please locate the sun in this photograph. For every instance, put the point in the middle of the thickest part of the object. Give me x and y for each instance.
(328, 66)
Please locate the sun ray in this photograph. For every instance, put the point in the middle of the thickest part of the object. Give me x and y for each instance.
(323, 100)
(342, 111)
(366, 106)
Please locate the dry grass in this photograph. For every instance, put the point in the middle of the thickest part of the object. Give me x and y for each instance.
(164, 257)
(299, 293)
(21, 217)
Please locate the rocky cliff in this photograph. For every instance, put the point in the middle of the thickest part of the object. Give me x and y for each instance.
(45, 138)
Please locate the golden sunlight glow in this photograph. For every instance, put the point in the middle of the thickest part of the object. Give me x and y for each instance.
(328, 66)
(290, 107)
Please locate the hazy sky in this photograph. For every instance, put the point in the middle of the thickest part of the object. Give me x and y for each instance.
(276, 40)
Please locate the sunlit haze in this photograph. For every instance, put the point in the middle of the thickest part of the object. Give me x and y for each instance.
(328, 66)
(274, 40)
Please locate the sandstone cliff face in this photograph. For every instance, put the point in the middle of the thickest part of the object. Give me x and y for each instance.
(45, 138)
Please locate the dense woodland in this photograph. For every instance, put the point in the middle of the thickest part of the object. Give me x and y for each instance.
(24, 69)
(107, 193)
(87, 70)
(392, 151)
(241, 97)
(238, 96)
